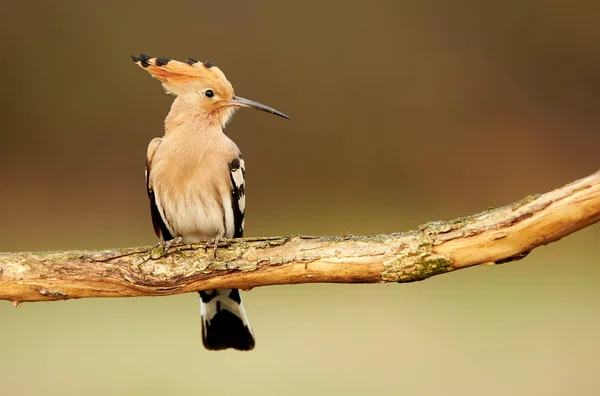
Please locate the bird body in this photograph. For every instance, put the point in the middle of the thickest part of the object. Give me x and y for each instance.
(195, 176)
(192, 183)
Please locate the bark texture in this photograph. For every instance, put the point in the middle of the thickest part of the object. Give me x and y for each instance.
(496, 236)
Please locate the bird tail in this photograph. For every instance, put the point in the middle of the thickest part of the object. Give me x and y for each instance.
(224, 321)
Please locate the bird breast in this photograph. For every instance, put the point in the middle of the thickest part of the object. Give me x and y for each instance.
(193, 195)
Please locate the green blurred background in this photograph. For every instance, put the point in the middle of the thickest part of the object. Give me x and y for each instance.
(403, 112)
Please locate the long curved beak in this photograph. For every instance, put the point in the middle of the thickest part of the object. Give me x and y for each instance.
(242, 102)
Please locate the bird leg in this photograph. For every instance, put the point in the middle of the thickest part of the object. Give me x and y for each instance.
(166, 245)
(215, 242)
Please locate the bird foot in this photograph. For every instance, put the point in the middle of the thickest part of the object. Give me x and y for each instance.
(166, 245)
(215, 243)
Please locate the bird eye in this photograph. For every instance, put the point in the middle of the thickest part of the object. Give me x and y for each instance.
(209, 93)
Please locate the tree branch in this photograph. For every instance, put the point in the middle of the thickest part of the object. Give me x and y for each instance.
(495, 236)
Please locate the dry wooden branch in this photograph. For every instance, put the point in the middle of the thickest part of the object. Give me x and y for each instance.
(496, 236)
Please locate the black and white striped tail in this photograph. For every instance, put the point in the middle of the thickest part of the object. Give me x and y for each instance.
(224, 321)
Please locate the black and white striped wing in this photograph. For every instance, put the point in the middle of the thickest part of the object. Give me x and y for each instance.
(237, 169)
(160, 228)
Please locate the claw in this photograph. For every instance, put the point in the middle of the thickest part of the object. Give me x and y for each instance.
(215, 242)
(166, 245)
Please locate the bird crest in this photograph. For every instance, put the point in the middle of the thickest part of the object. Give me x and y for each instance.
(179, 77)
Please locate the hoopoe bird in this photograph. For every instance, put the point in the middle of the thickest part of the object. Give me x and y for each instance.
(195, 181)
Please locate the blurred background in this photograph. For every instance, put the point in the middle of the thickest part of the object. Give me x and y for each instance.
(403, 112)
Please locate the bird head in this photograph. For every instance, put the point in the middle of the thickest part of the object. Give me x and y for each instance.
(202, 86)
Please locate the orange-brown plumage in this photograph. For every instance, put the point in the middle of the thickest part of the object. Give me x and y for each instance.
(178, 77)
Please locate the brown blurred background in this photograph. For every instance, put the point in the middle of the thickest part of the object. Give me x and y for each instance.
(403, 112)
